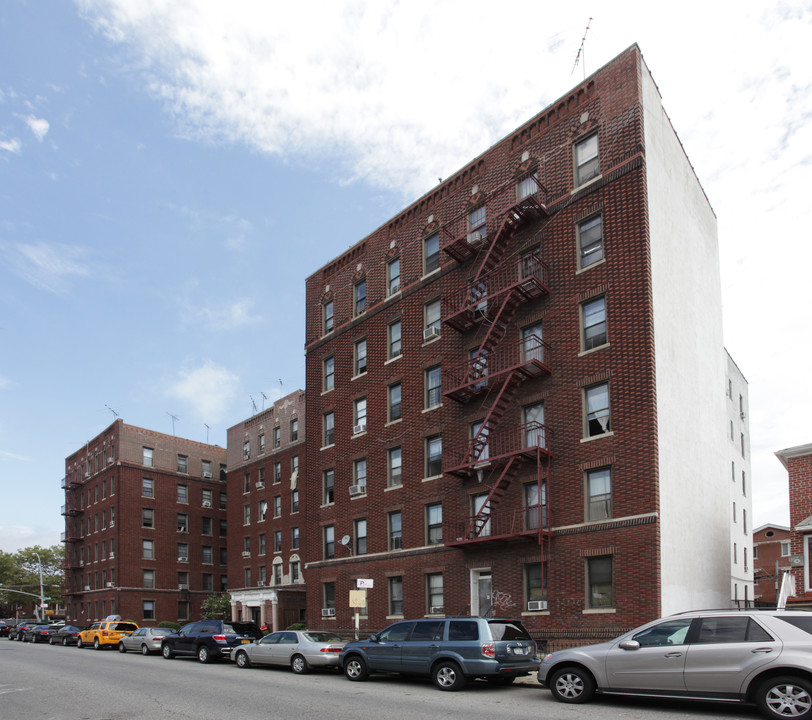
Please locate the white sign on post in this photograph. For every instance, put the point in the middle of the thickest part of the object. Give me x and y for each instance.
(364, 583)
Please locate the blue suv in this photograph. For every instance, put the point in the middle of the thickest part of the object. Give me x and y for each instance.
(448, 650)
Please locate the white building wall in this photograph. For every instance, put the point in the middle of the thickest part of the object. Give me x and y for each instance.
(690, 367)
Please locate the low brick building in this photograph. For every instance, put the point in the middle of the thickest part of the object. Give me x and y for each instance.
(771, 553)
(798, 463)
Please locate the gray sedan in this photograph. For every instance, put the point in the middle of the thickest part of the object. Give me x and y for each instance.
(298, 649)
(146, 640)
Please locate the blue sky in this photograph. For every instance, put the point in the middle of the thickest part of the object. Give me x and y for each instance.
(171, 172)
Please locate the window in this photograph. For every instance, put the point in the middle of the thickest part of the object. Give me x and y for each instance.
(481, 509)
(294, 501)
(294, 538)
(359, 473)
(262, 510)
(277, 506)
(535, 509)
(598, 420)
(277, 472)
(395, 404)
(360, 537)
(534, 430)
(147, 549)
(328, 482)
(433, 383)
(223, 530)
(476, 224)
(587, 165)
(206, 554)
(527, 186)
(393, 276)
(395, 467)
(148, 610)
(328, 316)
(183, 494)
(785, 548)
(395, 344)
(359, 416)
(395, 523)
(329, 542)
(147, 518)
(246, 450)
(183, 552)
(205, 497)
(277, 541)
(183, 580)
(294, 571)
(294, 430)
(534, 589)
(593, 321)
(246, 482)
(480, 450)
(329, 595)
(431, 253)
(599, 494)
(246, 514)
(590, 241)
(360, 297)
(224, 557)
(744, 521)
(183, 464)
(329, 429)
(260, 477)
(262, 544)
(434, 593)
(277, 574)
(431, 320)
(532, 347)
(434, 524)
(147, 456)
(149, 579)
(277, 437)
(396, 596)
(434, 456)
(329, 373)
(261, 443)
(147, 487)
(360, 355)
(183, 523)
(247, 577)
(599, 582)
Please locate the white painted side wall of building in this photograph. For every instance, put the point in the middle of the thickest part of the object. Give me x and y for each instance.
(690, 365)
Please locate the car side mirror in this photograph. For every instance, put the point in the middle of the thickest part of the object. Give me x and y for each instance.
(373, 638)
(629, 645)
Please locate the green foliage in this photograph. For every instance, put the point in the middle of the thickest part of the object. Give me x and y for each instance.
(20, 571)
(216, 607)
(169, 624)
(297, 626)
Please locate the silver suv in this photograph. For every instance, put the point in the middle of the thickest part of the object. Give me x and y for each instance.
(751, 656)
(449, 650)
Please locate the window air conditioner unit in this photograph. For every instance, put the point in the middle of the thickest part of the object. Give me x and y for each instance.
(431, 332)
(183, 558)
(397, 543)
(537, 605)
(81, 562)
(394, 289)
(111, 584)
(112, 554)
(87, 587)
(207, 475)
(475, 237)
(358, 489)
(183, 586)
(361, 427)
(109, 460)
(87, 474)
(112, 523)
(436, 610)
(260, 485)
(246, 553)
(260, 583)
(207, 503)
(328, 612)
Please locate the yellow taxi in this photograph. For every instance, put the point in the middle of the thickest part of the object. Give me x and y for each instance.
(106, 632)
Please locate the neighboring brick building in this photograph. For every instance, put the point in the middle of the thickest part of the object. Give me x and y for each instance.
(266, 455)
(771, 552)
(145, 533)
(798, 462)
(515, 396)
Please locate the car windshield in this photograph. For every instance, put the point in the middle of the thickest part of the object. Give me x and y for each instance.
(502, 630)
(324, 637)
(803, 623)
(161, 631)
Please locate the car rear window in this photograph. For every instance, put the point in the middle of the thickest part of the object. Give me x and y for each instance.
(323, 637)
(802, 623)
(126, 627)
(240, 628)
(463, 630)
(501, 630)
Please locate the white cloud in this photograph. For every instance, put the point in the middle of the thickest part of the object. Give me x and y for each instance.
(17, 537)
(38, 126)
(208, 390)
(6, 455)
(230, 317)
(46, 265)
(12, 145)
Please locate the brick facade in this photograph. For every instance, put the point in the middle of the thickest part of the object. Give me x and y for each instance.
(798, 462)
(771, 552)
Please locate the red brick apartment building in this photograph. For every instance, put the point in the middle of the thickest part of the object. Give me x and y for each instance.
(798, 462)
(145, 526)
(771, 553)
(266, 466)
(516, 387)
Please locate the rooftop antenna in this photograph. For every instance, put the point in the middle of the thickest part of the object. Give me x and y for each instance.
(281, 387)
(581, 52)
(264, 398)
(253, 404)
(207, 432)
(174, 418)
(112, 411)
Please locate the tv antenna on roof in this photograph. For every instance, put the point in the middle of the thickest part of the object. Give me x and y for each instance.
(264, 398)
(253, 404)
(174, 418)
(207, 432)
(112, 411)
(581, 52)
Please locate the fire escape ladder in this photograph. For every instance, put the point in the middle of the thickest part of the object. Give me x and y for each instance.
(493, 254)
(495, 413)
(498, 326)
(481, 518)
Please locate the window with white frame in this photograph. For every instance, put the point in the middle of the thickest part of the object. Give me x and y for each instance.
(587, 159)
(148, 580)
(294, 430)
(183, 493)
(432, 320)
(434, 593)
(328, 487)
(147, 487)
(329, 542)
(147, 456)
(535, 433)
(329, 419)
(396, 596)
(359, 416)
(183, 523)
(261, 443)
(262, 510)
(395, 530)
(329, 373)
(360, 536)
(431, 253)
(148, 549)
(395, 405)
(433, 384)
(593, 321)
(277, 506)
(393, 276)
(360, 357)
(359, 473)
(598, 418)
(147, 517)
(395, 341)
(277, 541)
(434, 456)
(590, 241)
(327, 316)
(434, 524)
(600, 586)
(395, 467)
(294, 538)
(532, 346)
(277, 472)
(527, 186)
(277, 437)
(599, 494)
(246, 450)
(477, 227)
(360, 297)
(183, 464)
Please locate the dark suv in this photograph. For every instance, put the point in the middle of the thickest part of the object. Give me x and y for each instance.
(449, 650)
(209, 639)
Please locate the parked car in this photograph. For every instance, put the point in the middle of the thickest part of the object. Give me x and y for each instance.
(751, 656)
(449, 650)
(66, 635)
(19, 629)
(4, 629)
(38, 633)
(105, 633)
(298, 649)
(145, 640)
(209, 639)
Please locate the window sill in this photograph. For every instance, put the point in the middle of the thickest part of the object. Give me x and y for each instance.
(433, 340)
(326, 447)
(584, 268)
(433, 407)
(358, 375)
(586, 184)
(357, 435)
(599, 611)
(394, 422)
(534, 613)
(597, 437)
(393, 487)
(391, 360)
(594, 349)
(427, 275)
(432, 477)
(326, 392)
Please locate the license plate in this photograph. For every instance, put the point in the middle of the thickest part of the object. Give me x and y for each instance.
(520, 651)
(244, 641)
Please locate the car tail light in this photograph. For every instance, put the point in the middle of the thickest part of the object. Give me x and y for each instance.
(489, 650)
(104, 633)
(330, 650)
(219, 638)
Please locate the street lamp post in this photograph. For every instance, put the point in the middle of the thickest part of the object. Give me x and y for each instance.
(41, 607)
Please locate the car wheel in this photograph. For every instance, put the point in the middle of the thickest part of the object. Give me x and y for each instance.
(166, 651)
(785, 697)
(64, 642)
(355, 668)
(34, 639)
(572, 685)
(121, 647)
(96, 644)
(299, 665)
(144, 650)
(242, 660)
(447, 675)
(79, 643)
(50, 641)
(203, 654)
